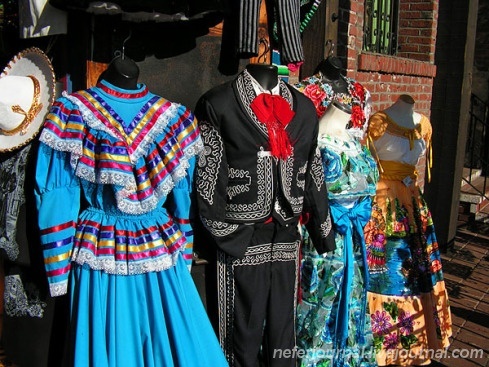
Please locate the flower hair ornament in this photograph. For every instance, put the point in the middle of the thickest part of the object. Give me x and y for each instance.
(322, 95)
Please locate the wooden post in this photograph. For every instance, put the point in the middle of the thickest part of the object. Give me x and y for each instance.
(264, 56)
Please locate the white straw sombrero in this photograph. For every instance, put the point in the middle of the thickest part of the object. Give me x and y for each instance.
(27, 89)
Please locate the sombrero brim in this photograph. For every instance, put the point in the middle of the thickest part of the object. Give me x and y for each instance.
(31, 61)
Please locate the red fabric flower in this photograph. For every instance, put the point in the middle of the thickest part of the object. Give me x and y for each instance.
(359, 91)
(275, 112)
(316, 95)
(357, 117)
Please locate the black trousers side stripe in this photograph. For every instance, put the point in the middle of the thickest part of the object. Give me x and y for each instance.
(257, 301)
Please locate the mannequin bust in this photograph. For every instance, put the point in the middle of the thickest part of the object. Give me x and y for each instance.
(334, 122)
(265, 74)
(330, 69)
(122, 72)
(402, 112)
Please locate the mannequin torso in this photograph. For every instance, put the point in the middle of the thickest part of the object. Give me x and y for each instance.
(402, 112)
(334, 122)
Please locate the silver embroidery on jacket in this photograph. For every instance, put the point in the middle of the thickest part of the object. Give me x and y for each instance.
(242, 184)
(317, 172)
(20, 301)
(287, 174)
(219, 229)
(226, 288)
(209, 162)
(300, 178)
(326, 226)
(261, 208)
(12, 179)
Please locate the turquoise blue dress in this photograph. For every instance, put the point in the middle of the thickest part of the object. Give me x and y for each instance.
(113, 189)
(333, 323)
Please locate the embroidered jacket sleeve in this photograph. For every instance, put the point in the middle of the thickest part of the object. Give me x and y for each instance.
(316, 205)
(57, 194)
(212, 188)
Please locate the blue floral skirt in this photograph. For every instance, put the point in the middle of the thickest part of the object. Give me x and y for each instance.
(321, 341)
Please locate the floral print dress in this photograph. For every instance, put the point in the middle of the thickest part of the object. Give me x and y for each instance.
(410, 313)
(333, 324)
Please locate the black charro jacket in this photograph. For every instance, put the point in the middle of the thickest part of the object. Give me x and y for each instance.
(239, 183)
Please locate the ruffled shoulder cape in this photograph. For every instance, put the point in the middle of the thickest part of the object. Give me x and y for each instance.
(142, 160)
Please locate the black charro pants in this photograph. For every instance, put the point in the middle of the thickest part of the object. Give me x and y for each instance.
(256, 298)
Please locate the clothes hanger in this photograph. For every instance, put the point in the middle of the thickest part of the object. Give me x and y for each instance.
(122, 71)
(265, 51)
(264, 73)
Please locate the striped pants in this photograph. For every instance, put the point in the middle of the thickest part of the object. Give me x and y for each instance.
(288, 19)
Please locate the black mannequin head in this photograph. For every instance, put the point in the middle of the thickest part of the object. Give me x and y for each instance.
(122, 72)
(330, 69)
(265, 74)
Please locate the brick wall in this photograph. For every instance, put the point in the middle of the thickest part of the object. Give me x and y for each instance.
(417, 29)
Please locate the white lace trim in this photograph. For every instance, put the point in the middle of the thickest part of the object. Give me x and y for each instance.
(58, 289)
(142, 148)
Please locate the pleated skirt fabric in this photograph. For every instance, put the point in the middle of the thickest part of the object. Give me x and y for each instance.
(154, 319)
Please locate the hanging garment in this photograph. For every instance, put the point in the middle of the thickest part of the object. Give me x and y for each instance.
(333, 322)
(288, 29)
(37, 18)
(250, 198)
(408, 302)
(113, 186)
(333, 327)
